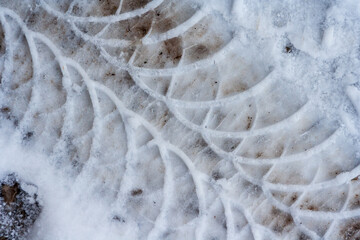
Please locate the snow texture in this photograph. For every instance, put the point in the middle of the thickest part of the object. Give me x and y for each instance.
(184, 119)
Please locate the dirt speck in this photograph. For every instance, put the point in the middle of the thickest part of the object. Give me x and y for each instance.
(28, 135)
(290, 49)
(249, 122)
(136, 192)
(118, 219)
(5, 110)
(293, 198)
(312, 208)
(216, 175)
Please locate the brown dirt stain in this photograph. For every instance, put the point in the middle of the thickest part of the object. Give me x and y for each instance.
(131, 5)
(173, 49)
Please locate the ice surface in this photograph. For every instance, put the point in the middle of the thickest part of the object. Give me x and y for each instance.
(184, 119)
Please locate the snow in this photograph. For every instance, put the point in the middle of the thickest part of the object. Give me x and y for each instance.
(171, 119)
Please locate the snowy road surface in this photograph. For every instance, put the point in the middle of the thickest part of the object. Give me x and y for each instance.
(184, 119)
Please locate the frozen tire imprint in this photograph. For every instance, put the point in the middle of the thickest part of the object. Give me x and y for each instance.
(193, 119)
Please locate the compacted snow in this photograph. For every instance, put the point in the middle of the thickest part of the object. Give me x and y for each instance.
(183, 119)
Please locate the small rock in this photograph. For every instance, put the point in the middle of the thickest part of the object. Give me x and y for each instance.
(18, 209)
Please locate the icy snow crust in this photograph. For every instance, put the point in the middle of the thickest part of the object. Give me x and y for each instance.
(171, 119)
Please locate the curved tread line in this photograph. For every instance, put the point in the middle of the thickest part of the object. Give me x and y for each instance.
(250, 92)
(198, 177)
(8, 63)
(218, 56)
(104, 19)
(100, 41)
(343, 178)
(178, 30)
(148, 39)
(284, 159)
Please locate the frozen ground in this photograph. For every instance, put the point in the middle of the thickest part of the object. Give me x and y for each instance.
(184, 119)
